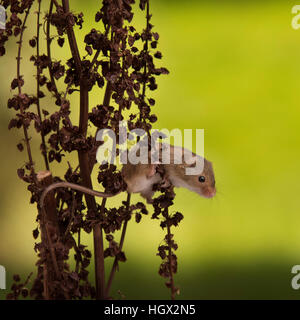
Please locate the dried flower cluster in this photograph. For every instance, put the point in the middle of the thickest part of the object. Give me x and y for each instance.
(122, 61)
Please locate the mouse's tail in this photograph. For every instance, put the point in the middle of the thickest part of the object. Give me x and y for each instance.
(76, 187)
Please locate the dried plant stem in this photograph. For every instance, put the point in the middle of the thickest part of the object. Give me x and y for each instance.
(38, 73)
(98, 51)
(95, 58)
(51, 247)
(27, 279)
(145, 51)
(76, 247)
(146, 48)
(84, 163)
(72, 39)
(106, 100)
(49, 40)
(52, 253)
(91, 203)
(27, 141)
(170, 258)
(45, 283)
(55, 2)
(107, 94)
(49, 218)
(72, 215)
(115, 264)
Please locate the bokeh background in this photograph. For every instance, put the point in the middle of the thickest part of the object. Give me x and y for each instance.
(234, 71)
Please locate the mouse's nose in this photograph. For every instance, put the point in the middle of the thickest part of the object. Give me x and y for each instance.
(209, 192)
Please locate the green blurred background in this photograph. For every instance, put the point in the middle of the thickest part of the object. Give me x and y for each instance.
(234, 71)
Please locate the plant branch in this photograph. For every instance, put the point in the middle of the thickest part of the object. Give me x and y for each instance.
(20, 89)
(38, 73)
(115, 264)
(72, 38)
(98, 51)
(170, 258)
(49, 226)
(145, 51)
(55, 2)
(49, 40)
(146, 48)
(84, 162)
(95, 58)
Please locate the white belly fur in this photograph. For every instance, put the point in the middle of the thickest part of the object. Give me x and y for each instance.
(142, 183)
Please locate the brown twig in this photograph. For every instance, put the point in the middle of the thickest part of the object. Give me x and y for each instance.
(99, 50)
(38, 73)
(84, 161)
(95, 58)
(45, 283)
(72, 39)
(115, 264)
(49, 226)
(49, 40)
(55, 2)
(51, 247)
(145, 50)
(27, 279)
(91, 203)
(72, 215)
(173, 289)
(27, 140)
(79, 257)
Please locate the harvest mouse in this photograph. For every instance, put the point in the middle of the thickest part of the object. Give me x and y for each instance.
(140, 178)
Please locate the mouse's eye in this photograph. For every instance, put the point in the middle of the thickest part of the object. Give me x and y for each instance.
(201, 179)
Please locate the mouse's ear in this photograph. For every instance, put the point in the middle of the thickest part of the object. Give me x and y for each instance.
(152, 169)
(189, 163)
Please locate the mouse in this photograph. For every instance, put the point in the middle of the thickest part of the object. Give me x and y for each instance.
(140, 178)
